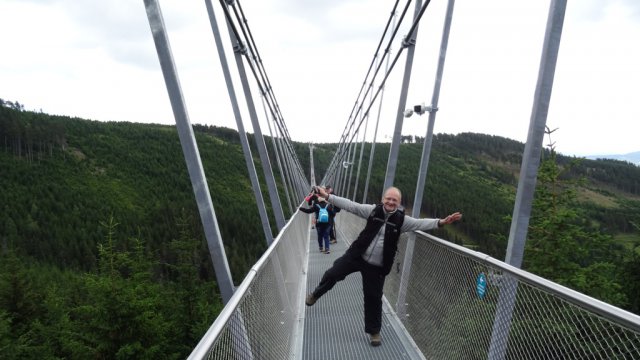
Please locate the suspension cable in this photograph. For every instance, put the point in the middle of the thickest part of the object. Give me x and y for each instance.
(246, 46)
(348, 128)
(388, 72)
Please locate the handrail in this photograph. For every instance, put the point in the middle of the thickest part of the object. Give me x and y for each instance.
(601, 308)
(215, 330)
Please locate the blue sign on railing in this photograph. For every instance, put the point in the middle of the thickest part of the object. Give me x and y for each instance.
(481, 285)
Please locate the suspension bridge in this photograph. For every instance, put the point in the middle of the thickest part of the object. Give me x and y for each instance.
(441, 300)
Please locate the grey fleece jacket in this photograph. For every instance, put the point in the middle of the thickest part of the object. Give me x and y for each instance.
(373, 254)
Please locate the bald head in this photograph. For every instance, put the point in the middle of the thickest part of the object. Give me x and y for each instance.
(391, 199)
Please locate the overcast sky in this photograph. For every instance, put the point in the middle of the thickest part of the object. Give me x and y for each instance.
(96, 60)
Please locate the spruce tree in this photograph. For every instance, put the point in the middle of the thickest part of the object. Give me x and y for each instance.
(563, 245)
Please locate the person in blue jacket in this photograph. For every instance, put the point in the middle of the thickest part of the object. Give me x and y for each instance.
(323, 214)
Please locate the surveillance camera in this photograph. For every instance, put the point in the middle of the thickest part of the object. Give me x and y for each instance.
(408, 113)
(421, 109)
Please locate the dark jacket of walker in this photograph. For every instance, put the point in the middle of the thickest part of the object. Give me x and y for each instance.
(391, 236)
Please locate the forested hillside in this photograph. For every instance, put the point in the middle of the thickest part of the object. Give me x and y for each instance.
(102, 248)
(103, 254)
(478, 175)
(62, 176)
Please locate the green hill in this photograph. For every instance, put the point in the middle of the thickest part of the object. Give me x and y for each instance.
(99, 224)
(63, 176)
(477, 174)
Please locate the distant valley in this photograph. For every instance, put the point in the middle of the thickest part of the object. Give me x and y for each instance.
(633, 157)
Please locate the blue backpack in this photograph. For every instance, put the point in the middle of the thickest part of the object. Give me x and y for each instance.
(323, 214)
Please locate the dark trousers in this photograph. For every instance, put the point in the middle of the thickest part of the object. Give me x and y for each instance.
(372, 286)
(332, 231)
(323, 234)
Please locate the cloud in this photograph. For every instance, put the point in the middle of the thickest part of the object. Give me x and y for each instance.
(96, 59)
(120, 27)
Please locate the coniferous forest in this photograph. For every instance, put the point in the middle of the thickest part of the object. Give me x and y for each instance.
(102, 253)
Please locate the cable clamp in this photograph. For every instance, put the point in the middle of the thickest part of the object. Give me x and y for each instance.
(410, 42)
(240, 48)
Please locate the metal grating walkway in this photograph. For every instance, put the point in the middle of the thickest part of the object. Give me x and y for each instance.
(334, 326)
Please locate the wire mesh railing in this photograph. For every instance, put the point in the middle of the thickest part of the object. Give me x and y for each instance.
(260, 321)
(453, 307)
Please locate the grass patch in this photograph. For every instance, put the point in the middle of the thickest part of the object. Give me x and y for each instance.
(628, 240)
(605, 201)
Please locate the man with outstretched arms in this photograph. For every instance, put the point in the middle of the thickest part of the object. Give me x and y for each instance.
(372, 253)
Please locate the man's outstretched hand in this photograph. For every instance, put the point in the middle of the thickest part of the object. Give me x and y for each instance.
(322, 191)
(450, 218)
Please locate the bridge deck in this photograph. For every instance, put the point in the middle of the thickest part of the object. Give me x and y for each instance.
(334, 326)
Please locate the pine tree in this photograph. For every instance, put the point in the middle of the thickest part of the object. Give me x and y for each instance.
(631, 275)
(563, 245)
(123, 317)
(19, 302)
(195, 303)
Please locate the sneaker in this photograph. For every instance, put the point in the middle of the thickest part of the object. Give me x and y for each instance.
(310, 300)
(333, 241)
(376, 339)
(327, 252)
(321, 249)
